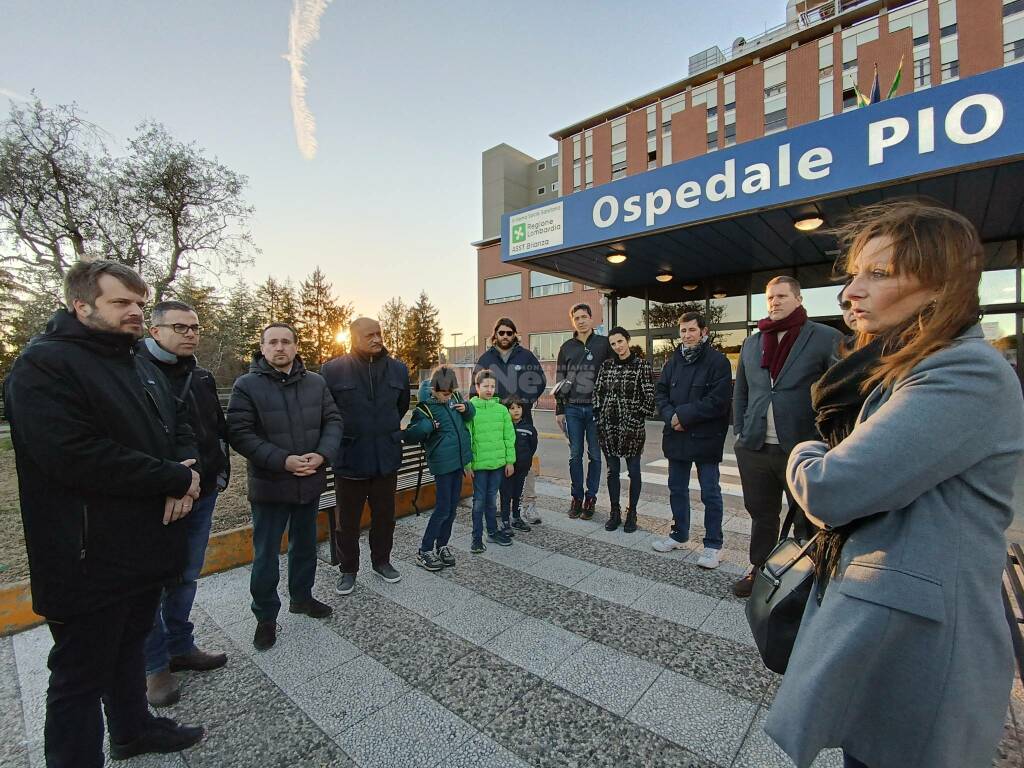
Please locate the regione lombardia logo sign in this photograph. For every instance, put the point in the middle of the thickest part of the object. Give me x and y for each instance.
(536, 229)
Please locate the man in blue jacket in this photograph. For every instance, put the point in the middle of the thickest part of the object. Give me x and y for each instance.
(518, 373)
(371, 389)
(692, 396)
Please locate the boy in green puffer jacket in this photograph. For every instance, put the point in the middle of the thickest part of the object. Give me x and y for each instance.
(439, 422)
(494, 457)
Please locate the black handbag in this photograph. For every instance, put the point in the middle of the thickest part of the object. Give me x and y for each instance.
(779, 595)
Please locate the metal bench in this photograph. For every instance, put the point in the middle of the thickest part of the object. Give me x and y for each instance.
(1013, 601)
(407, 474)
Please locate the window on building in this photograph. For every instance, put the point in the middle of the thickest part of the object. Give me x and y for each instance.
(618, 148)
(825, 98)
(826, 55)
(1013, 37)
(730, 134)
(576, 147)
(775, 121)
(913, 17)
(547, 285)
(1010, 7)
(576, 175)
(856, 36)
(950, 62)
(589, 172)
(652, 125)
(498, 290)
(947, 18)
(546, 345)
(922, 73)
(729, 88)
(670, 106)
(554, 186)
(554, 161)
(541, 166)
(541, 190)
(666, 147)
(652, 160)
(712, 141)
(775, 77)
(849, 98)
(588, 143)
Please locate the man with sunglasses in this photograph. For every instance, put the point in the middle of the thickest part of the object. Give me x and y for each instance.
(171, 345)
(518, 373)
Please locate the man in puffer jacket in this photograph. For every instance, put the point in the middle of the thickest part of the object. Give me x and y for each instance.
(439, 423)
(283, 419)
(494, 457)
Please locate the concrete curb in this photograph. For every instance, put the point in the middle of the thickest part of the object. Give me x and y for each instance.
(227, 549)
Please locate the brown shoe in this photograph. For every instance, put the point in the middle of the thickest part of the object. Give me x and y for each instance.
(162, 689)
(198, 660)
(588, 509)
(744, 586)
(575, 508)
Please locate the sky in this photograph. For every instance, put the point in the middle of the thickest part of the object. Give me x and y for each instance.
(405, 97)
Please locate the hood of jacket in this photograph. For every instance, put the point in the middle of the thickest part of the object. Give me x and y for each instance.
(65, 326)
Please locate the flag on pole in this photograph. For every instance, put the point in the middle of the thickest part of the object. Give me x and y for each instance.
(895, 81)
(861, 98)
(876, 90)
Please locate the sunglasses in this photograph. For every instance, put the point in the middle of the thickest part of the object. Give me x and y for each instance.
(506, 333)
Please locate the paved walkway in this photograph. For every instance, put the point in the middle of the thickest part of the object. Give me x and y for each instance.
(574, 647)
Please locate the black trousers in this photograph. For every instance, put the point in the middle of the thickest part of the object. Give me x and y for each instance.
(352, 496)
(763, 476)
(97, 656)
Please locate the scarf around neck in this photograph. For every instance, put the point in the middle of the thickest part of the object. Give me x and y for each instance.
(774, 352)
(690, 355)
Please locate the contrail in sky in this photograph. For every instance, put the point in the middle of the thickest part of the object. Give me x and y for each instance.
(303, 29)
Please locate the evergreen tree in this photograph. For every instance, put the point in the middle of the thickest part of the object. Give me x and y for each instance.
(204, 300)
(392, 319)
(321, 320)
(421, 337)
(276, 302)
(236, 335)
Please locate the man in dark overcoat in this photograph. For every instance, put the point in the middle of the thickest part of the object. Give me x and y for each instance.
(692, 397)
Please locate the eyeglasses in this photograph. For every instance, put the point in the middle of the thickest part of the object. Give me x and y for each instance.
(181, 329)
(505, 333)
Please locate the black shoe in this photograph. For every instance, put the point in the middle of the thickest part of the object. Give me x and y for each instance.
(387, 572)
(520, 525)
(346, 583)
(478, 547)
(575, 508)
(429, 561)
(266, 635)
(588, 509)
(500, 539)
(507, 530)
(444, 554)
(159, 735)
(312, 608)
(630, 525)
(614, 519)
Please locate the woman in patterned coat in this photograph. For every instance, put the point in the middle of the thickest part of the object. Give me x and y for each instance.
(623, 398)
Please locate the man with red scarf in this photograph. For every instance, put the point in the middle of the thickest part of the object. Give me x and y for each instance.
(772, 411)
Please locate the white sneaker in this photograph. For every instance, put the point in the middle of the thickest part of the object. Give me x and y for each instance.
(668, 544)
(710, 558)
(529, 514)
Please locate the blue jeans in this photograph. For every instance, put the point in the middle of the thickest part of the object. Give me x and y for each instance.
(614, 484)
(710, 496)
(172, 631)
(579, 424)
(439, 527)
(268, 525)
(486, 483)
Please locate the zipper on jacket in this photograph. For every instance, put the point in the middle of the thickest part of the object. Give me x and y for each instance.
(156, 408)
(84, 538)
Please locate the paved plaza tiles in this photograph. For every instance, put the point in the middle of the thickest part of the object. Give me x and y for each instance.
(574, 647)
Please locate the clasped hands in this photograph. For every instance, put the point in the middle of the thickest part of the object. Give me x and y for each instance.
(676, 424)
(175, 509)
(304, 465)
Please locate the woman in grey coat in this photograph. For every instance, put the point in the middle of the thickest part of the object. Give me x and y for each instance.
(905, 662)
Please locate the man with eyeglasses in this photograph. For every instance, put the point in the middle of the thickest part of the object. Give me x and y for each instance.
(517, 372)
(171, 345)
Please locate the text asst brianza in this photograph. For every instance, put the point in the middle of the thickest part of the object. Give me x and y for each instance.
(535, 229)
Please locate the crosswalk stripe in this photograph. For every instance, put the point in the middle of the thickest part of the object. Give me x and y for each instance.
(656, 478)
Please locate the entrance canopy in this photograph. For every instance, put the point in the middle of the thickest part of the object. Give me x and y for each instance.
(715, 219)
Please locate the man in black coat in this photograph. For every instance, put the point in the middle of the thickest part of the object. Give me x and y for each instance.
(104, 455)
(170, 647)
(371, 389)
(282, 418)
(518, 372)
(579, 360)
(692, 397)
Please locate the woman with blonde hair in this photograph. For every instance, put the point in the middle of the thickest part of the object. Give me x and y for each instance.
(903, 657)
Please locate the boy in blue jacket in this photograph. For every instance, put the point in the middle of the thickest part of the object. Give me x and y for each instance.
(439, 422)
(512, 487)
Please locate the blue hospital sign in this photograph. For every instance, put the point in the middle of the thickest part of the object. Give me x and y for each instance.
(975, 121)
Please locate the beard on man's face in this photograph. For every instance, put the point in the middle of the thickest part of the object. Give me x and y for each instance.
(125, 328)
